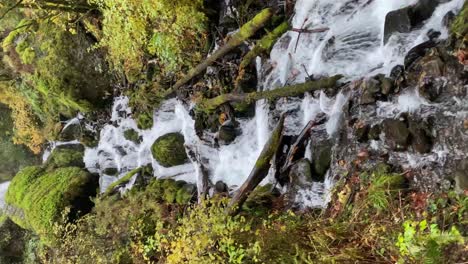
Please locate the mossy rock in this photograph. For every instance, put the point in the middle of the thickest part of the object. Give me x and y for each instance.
(13, 240)
(45, 196)
(169, 150)
(66, 156)
(132, 135)
(145, 121)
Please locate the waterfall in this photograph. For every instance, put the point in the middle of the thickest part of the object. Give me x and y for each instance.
(352, 45)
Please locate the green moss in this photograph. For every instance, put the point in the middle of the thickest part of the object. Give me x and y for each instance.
(66, 157)
(26, 53)
(132, 135)
(265, 44)
(44, 196)
(169, 150)
(460, 25)
(122, 181)
(145, 121)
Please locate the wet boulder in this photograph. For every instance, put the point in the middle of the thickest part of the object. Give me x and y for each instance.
(418, 52)
(220, 187)
(300, 174)
(396, 134)
(70, 155)
(421, 139)
(406, 19)
(227, 133)
(70, 132)
(370, 88)
(169, 150)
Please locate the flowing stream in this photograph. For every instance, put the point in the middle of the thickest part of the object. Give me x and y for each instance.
(352, 46)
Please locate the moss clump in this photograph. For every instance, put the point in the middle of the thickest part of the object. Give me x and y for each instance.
(136, 30)
(66, 157)
(460, 25)
(44, 196)
(169, 150)
(145, 121)
(132, 135)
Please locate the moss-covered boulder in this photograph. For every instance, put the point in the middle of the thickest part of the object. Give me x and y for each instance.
(42, 197)
(169, 150)
(66, 156)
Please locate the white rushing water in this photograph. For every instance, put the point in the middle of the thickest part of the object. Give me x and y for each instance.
(3, 190)
(353, 46)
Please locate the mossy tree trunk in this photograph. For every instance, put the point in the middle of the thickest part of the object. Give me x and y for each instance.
(209, 105)
(244, 33)
(260, 169)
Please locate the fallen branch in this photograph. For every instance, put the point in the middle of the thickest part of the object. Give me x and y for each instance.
(260, 170)
(264, 45)
(245, 32)
(209, 105)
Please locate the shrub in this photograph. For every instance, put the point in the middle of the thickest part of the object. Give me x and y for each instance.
(172, 31)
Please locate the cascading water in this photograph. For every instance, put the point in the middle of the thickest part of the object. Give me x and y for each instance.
(352, 45)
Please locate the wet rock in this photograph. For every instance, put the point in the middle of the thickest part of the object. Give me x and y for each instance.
(227, 133)
(433, 35)
(220, 187)
(418, 52)
(70, 132)
(70, 155)
(132, 135)
(89, 139)
(301, 173)
(110, 171)
(461, 176)
(361, 131)
(370, 88)
(406, 19)
(321, 159)
(397, 21)
(448, 19)
(386, 85)
(421, 139)
(169, 150)
(374, 132)
(144, 176)
(396, 134)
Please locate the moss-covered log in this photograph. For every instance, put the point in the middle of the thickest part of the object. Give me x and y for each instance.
(209, 105)
(260, 170)
(264, 45)
(244, 33)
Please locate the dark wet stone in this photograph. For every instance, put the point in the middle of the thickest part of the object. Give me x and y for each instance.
(300, 174)
(227, 133)
(396, 134)
(71, 132)
(321, 159)
(111, 171)
(370, 88)
(220, 187)
(374, 132)
(421, 140)
(418, 52)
